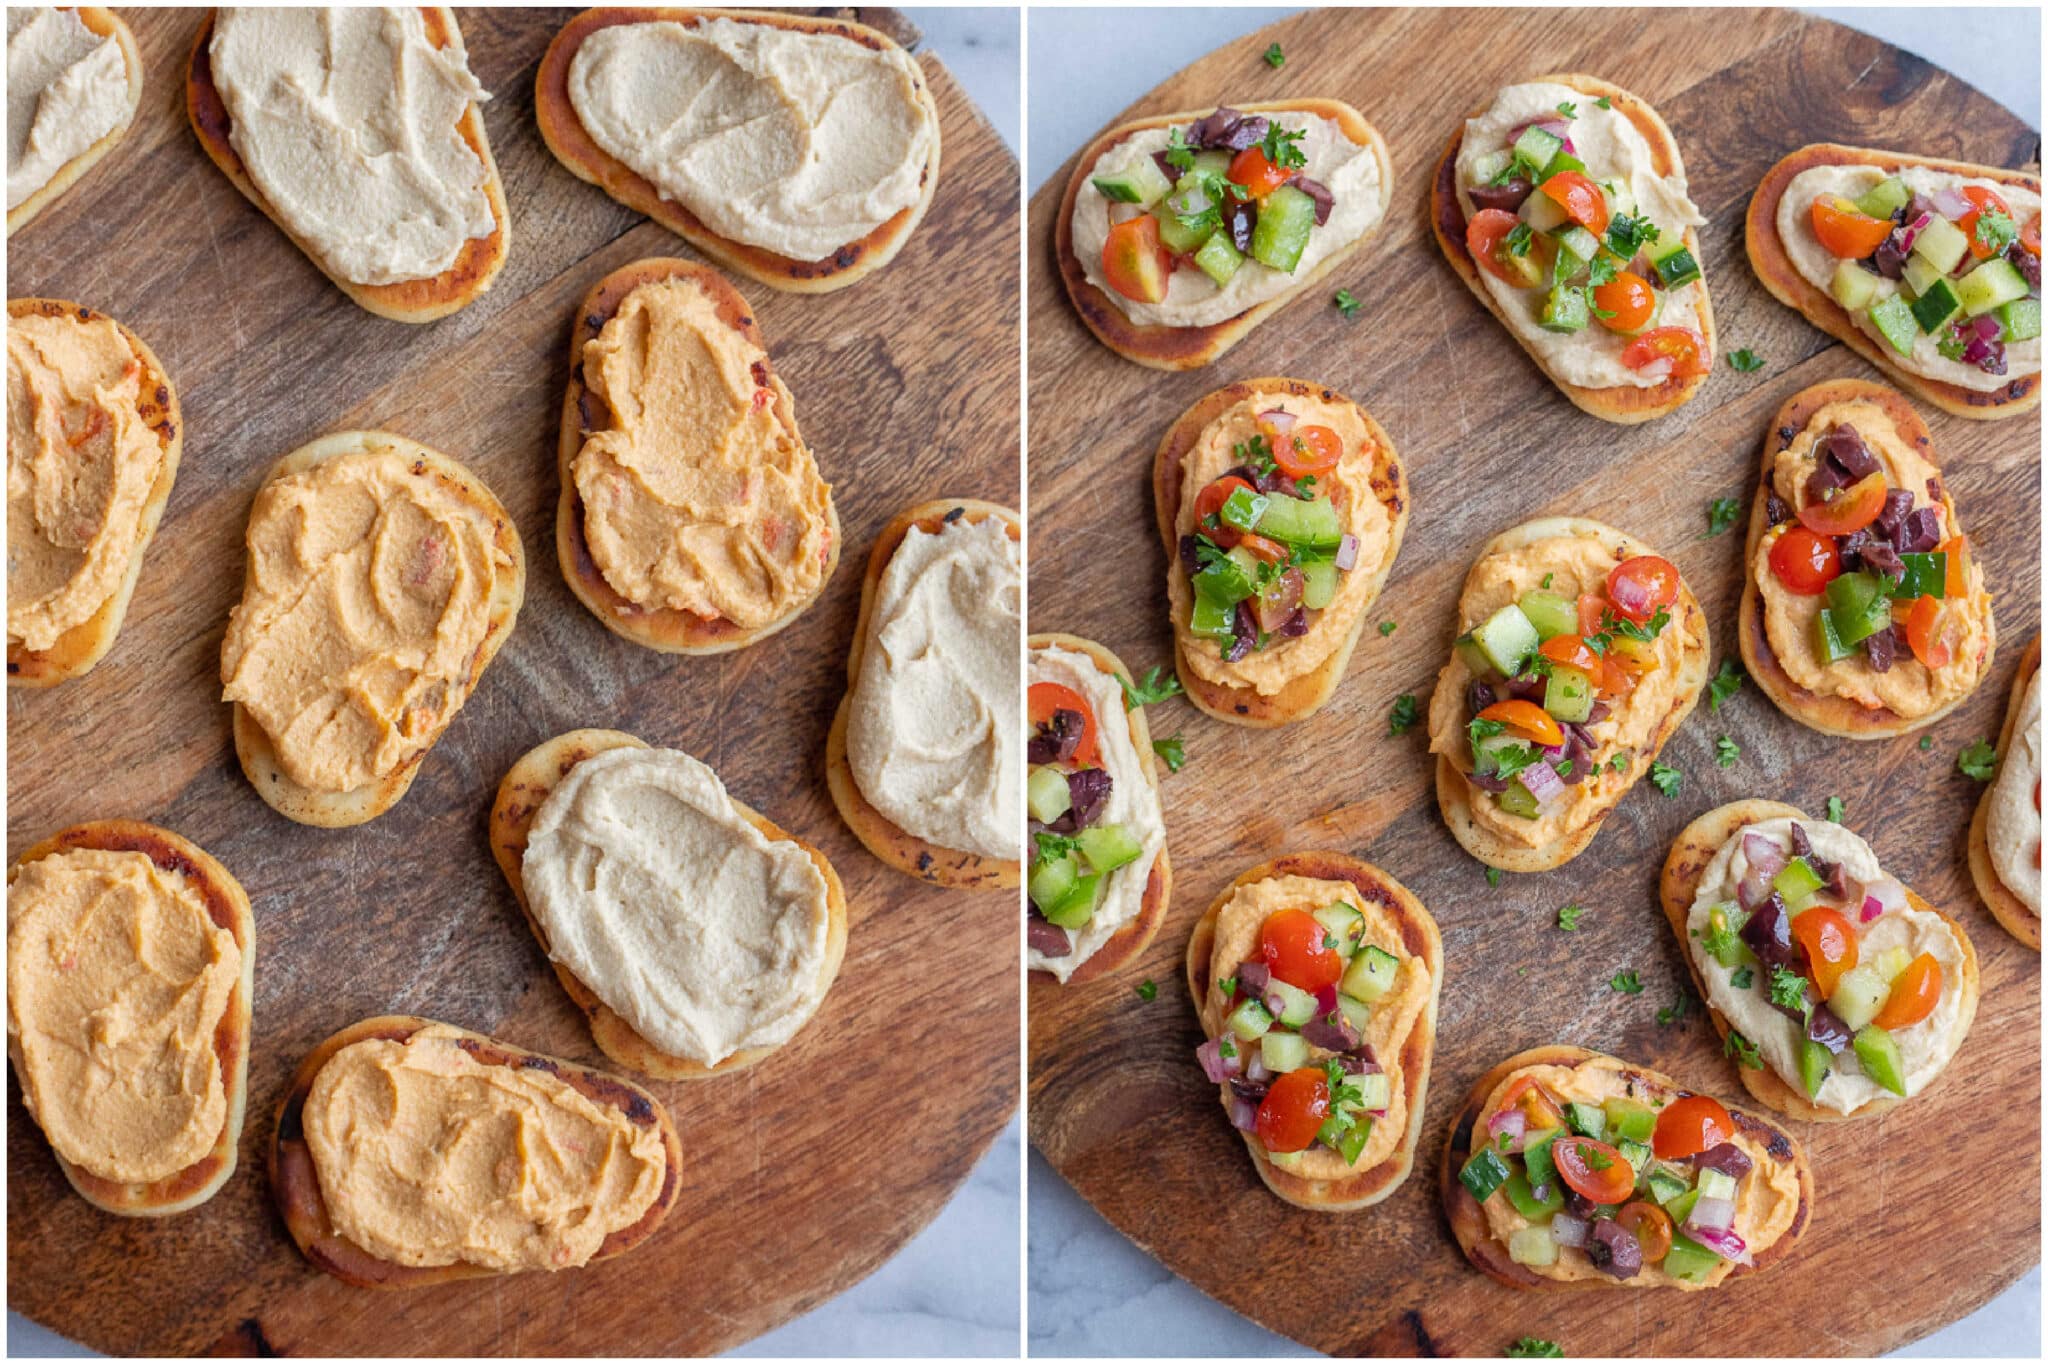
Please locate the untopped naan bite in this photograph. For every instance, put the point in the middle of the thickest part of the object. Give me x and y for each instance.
(74, 82)
(2005, 833)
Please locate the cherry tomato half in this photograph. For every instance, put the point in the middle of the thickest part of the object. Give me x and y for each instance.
(2030, 235)
(1294, 1109)
(1535, 1103)
(1272, 551)
(1625, 303)
(1830, 944)
(1594, 1169)
(1805, 561)
(1307, 450)
(1573, 652)
(1957, 582)
(1581, 200)
(1295, 947)
(1649, 1225)
(1135, 262)
(1686, 1127)
(1845, 230)
(1210, 501)
(1526, 720)
(1682, 346)
(1925, 634)
(1483, 236)
(1251, 169)
(1850, 509)
(1913, 995)
(1045, 698)
(1981, 201)
(1641, 586)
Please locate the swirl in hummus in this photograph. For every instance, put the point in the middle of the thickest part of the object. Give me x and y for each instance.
(2013, 827)
(796, 143)
(428, 1156)
(664, 898)
(82, 463)
(1903, 622)
(117, 982)
(67, 87)
(347, 121)
(1849, 989)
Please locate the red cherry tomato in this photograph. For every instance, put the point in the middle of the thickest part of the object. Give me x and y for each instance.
(1295, 948)
(1925, 635)
(1642, 586)
(1830, 944)
(1650, 1226)
(1135, 262)
(1307, 450)
(1682, 346)
(1594, 1169)
(1592, 606)
(1526, 720)
(1981, 200)
(1625, 302)
(1251, 169)
(1850, 509)
(1573, 652)
(1537, 1107)
(1294, 1109)
(2030, 235)
(1044, 698)
(1913, 995)
(1686, 1127)
(1581, 200)
(1483, 236)
(1845, 230)
(1210, 501)
(1804, 561)
(1272, 551)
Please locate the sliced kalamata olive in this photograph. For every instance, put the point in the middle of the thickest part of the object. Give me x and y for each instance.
(1318, 191)
(1088, 789)
(1331, 1031)
(1825, 1027)
(1934, 493)
(1601, 711)
(1046, 938)
(1479, 696)
(1228, 130)
(1577, 1204)
(1726, 1158)
(1802, 843)
(1527, 687)
(1768, 932)
(1881, 650)
(1253, 978)
(1359, 1061)
(1889, 260)
(1278, 601)
(1295, 626)
(1826, 477)
(1190, 557)
(1276, 484)
(1878, 556)
(1776, 509)
(1507, 196)
(1057, 738)
(1487, 782)
(1846, 449)
(1241, 217)
(1897, 503)
(2028, 264)
(1166, 168)
(1920, 532)
(1614, 1249)
(1245, 633)
(1248, 1089)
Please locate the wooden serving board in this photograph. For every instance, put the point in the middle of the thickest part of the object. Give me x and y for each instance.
(801, 1176)
(1116, 1100)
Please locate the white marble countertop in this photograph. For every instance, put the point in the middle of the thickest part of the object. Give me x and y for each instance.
(1092, 1292)
(953, 1290)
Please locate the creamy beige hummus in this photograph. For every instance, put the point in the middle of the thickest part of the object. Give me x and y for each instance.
(1613, 148)
(67, 88)
(1908, 687)
(1766, 1202)
(1350, 171)
(695, 497)
(700, 931)
(1575, 564)
(932, 729)
(1395, 1016)
(1349, 487)
(346, 120)
(2013, 827)
(1133, 803)
(81, 463)
(426, 1156)
(117, 979)
(1925, 1047)
(797, 143)
(369, 592)
(1817, 264)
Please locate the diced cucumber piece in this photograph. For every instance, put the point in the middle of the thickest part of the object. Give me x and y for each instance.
(1532, 1245)
(1229, 578)
(1518, 801)
(1249, 1021)
(1212, 620)
(1507, 639)
(1144, 183)
(1892, 963)
(1483, 1173)
(1345, 1139)
(1488, 168)
(1172, 235)
(1568, 694)
(1630, 1120)
(1580, 242)
(1877, 1052)
(1918, 274)
(1536, 1156)
(1587, 1120)
(1285, 221)
(1047, 794)
(1680, 1207)
(1242, 509)
(1077, 907)
(1859, 995)
(1992, 283)
(1858, 606)
(1370, 975)
(1467, 647)
(1356, 1012)
(1543, 214)
(1688, 1260)
(1052, 879)
(1219, 258)
(1565, 310)
(1108, 847)
(2020, 319)
(1297, 1006)
(1283, 1052)
(1487, 752)
(1375, 1091)
(1815, 1062)
(1286, 1161)
(1723, 937)
(1311, 523)
(1636, 1154)
(1673, 260)
(1523, 1196)
(1797, 882)
(1536, 146)
(1827, 642)
(1883, 199)
(1934, 308)
(1343, 924)
(1852, 286)
(1941, 244)
(1894, 322)
(1922, 575)
(1559, 164)
(1716, 1184)
(1664, 1186)
(1552, 613)
(1318, 583)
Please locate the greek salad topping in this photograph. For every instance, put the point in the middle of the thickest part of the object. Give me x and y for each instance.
(1072, 850)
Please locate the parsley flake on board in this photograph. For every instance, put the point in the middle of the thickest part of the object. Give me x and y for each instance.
(1742, 1050)
(1721, 514)
(1745, 360)
(1675, 1012)
(1170, 752)
(1386, 628)
(1275, 58)
(1147, 990)
(1834, 810)
(1926, 743)
(1493, 876)
(1626, 982)
(1979, 761)
(1346, 304)
(1149, 688)
(1726, 751)
(1666, 778)
(1725, 683)
(1536, 1348)
(1568, 917)
(1403, 718)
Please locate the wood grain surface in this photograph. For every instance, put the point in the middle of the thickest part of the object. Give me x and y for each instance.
(800, 1176)
(1116, 1100)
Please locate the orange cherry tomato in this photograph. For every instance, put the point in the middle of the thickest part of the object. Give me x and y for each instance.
(1628, 298)
(1850, 509)
(1688, 1126)
(1925, 636)
(1044, 698)
(1294, 1109)
(1913, 995)
(1580, 1161)
(1642, 586)
(1957, 581)
(1295, 947)
(1830, 944)
(1307, 450)
(1592, 606)
(1846, 231)
(1682, 346)
(1581, 200)
(1251, 169)
(1272, 551)
(1981, 201)
(2030, 235)
(1805, 561)
(1649, 1225)
(1535, 1103)
(1573, 652)
(1135, 262)
(1483, 236)
(1210, 501)
(1527, 720)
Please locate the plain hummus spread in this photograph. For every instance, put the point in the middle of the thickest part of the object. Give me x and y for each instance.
(1817, 264)
(1766, 1202)
(696, 496)
(703, 933)
(1924, 1048)
(117, 979)
(81, 464)
(2014, 824)
(1351, 171)
(427, 1156)
(932, 731)
(346, 120)
(368, 595)
(1909, 688)
(1613, 148)
(1133, 803)
(1395, 1015)
(797, 143)
(67, 88)
(1571, 565)
(1215, 452)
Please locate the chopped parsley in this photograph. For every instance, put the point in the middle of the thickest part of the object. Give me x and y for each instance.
(1626, 982)
(1619, 763)
(1595, 1159)
(1742, 978)
(1402, 720)
(1567, 108)
(1210, 188)
(1564, 769)
(1676, 1011)
(1627, 235)
(1726, 751)
(1227, 1046)
(1493, 876)
(1275, 58)
(1518, 240)
(1535, 1348)
(1228, 985)
(1346, 304)
(1283, 149)
(1834, 810)
(1746, 360)
(1996, 231)
(1718, 941)
(1179, 153)
(1170, 750)
(1979, 761)
(1568, 917)
(1951, 343)
(1147, 991)
(1726, 682)
(1788, 989)
(1926, 743)
(1721, 514)
(1666, 778)
(1603, 103)
(1149, 688)
(1742, 1050)
(1255, 453)
(1547, 578)
(1386, 629)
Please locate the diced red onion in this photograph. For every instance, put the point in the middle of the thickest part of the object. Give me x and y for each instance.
(1885, 894)
(1252, 978)
(1911, 230)
(1949, 202)
(1512, 1124)
(1347, 552)
(1255, 1068)
(1569, 1231)
(1872, 908)
(1274, 1001)
(1377, 1113)
(1766, 861)
(1244, 1115)
(1326, 999)
(1658, 369)
(1544, 784)
(1280, 419)
(1720, 1241)
(1712, 1215)
(1217, 1067)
